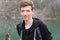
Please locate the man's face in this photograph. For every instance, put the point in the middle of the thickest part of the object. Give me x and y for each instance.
(26, 12)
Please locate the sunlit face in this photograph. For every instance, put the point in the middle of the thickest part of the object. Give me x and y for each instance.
(26, 12)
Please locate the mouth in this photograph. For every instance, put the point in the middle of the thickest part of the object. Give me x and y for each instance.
(25, 16)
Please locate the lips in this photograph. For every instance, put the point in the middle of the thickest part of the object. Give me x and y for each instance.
(25, 16)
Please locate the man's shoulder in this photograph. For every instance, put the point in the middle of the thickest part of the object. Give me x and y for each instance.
(38, 20)
(19, 25)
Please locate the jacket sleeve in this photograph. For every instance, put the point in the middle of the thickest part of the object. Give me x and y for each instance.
(18, 29)
(46, 35)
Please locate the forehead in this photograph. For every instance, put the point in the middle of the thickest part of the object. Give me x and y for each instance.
(26, 8)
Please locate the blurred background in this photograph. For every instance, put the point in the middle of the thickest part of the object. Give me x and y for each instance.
(46, 10)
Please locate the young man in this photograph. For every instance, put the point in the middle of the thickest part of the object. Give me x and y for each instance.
(31, 28)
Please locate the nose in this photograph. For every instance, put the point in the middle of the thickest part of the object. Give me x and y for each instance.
(25, 12)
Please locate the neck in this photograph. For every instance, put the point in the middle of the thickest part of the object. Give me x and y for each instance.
(29, 22)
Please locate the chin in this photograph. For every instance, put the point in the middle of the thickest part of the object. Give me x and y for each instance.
(25, 19)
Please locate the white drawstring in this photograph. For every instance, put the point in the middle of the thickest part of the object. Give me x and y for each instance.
(21, 36)
(35, 34)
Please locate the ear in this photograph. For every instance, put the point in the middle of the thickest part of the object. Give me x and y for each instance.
(33, 11)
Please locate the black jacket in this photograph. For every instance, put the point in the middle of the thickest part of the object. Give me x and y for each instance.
(39, 26)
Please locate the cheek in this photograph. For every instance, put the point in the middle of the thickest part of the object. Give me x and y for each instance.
(21, 14)
(30, 14)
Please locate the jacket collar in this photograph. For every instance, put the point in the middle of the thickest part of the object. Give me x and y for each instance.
(35, 24)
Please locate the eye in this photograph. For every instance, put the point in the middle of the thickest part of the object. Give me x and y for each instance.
(22, 10)
(28, 10)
